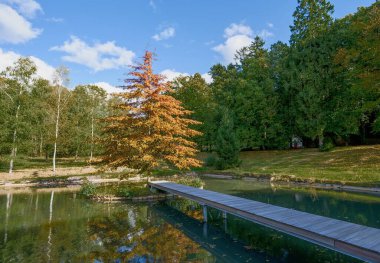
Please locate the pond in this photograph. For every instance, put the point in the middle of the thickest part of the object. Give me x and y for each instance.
(62, 227)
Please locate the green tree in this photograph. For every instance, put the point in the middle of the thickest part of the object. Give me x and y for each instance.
(41, 111)
(87, 104)
(281, 64)
(257, 101)
(227, 145)
(195, 95)
(358, 60)
(19, 81)
(311, 18)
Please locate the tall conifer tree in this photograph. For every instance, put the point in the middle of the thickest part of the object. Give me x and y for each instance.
(151, 127)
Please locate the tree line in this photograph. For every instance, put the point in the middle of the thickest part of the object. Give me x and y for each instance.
(322, 88)
(42, 119)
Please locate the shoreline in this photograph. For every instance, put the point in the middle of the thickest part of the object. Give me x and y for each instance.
(74, 183)
(287, 182)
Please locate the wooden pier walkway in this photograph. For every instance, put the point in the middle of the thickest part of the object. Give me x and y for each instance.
(355, 240)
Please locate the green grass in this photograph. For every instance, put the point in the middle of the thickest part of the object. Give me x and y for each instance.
(358, 165)
(23, 162)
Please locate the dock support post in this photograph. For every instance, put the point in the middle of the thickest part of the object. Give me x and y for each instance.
(204, 213)
(225, 220)
(205, 226)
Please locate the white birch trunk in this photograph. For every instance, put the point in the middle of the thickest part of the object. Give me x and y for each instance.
(41, 145)
(57, 128)
(49, 245)
(92, 134)
(14, 146)
(8, 207)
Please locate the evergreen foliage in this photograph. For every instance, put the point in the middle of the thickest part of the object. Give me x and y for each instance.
(227, 145)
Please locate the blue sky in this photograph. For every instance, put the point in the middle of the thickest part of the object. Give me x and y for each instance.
(97, 39)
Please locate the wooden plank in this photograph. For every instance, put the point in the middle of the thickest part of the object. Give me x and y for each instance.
(320, 226)
(347, 230)
(270, 210)
(362, 236)
(296, 219)
(376, 245)
(248, 206)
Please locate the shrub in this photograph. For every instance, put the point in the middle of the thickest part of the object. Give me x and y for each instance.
(227, 145)
(88, 189)
(224, 164)
(327, 146)
(210, 161)
(191, 181)
(123, 191)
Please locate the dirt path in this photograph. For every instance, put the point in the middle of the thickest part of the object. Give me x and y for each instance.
(46, 172)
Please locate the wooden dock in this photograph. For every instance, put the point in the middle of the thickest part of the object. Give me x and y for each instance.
(358, 241)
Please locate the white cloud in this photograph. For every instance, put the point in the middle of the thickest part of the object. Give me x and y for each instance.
(270, 25)
(44, 70)
(237, 29)
(207, 77)
(165, 34)
(55, 20)
(28, 8)
(15, 28)
(231, 45)
(171, 74)
(108, 87)
(238, 36)
(100, 56)
(264, 34)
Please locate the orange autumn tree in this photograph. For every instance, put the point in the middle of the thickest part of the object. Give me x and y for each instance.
(149, 127)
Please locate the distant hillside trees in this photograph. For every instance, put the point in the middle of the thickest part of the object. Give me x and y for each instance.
(324, 84)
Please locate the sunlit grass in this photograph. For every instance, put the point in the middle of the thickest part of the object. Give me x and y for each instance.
(350, 165)
(24, 162)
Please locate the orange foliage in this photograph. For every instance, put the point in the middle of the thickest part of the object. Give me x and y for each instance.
(151, 126)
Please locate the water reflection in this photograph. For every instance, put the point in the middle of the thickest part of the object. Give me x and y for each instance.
(60, 227)
(353, 207)
(259, 239)
(211, 238)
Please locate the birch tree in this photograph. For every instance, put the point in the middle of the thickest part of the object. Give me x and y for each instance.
(98, 96)
(87, 104)
(61, 79)
(18, 80)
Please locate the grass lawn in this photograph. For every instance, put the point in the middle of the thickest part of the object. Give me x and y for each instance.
(23, 162)
(354, 165)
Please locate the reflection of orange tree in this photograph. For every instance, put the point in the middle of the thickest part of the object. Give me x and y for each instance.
(167, 244)
(116, 237)
(188, 207)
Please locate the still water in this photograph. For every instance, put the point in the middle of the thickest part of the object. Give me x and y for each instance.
(62, 227)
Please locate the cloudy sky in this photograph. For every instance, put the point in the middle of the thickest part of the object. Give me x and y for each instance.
(98, 39)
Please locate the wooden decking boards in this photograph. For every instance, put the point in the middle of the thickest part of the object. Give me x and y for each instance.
(355, 240)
